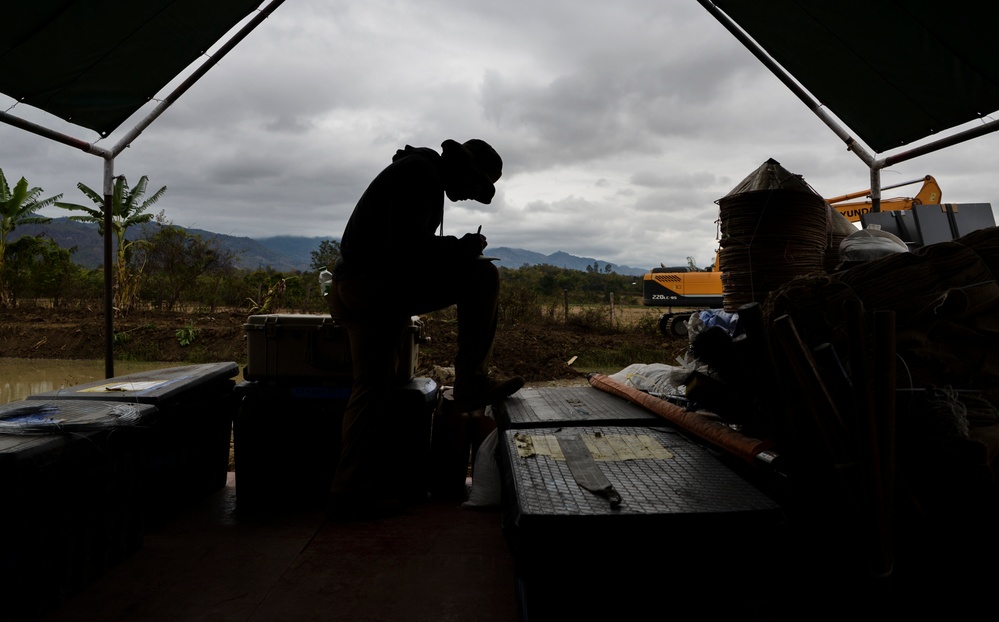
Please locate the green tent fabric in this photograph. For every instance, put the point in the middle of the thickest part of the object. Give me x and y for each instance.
(894, 71)
(96, 62)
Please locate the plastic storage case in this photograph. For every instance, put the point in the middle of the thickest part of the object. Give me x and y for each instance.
(684, 517)
(287, 440)
(313, 347)
(551, 407)
(189, 449)
(73, 493)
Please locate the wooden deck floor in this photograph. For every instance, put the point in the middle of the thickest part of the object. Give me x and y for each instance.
(435, 562)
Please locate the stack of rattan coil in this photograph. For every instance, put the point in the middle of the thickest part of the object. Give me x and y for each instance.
(774, 228)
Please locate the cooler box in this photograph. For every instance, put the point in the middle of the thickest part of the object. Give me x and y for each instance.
(286, 440)
(312, 347)
(190, 451)
(72, 477)
(407, 449)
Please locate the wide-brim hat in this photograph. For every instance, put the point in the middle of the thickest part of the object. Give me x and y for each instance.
(481, 158)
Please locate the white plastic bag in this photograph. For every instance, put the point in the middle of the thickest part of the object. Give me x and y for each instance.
(486, 477)
(870, 243)
(655, 378)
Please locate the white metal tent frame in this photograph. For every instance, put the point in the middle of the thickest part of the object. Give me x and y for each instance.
(109, 155)
(874, 163)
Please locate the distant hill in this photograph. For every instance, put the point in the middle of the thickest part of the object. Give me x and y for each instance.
(514, 258)
(286, 253)
(67, 234)
(283, 254)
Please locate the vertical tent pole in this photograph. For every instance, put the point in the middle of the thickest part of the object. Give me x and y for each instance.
(875, 189)
(108, 271)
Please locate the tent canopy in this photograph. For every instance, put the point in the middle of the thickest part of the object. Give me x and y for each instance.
(96, 62)
(894, 71)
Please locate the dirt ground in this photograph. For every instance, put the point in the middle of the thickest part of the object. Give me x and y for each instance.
(538, 352)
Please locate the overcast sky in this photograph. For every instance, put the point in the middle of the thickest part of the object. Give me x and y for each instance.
(620, 125)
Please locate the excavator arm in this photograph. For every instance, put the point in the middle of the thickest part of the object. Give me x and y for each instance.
(929, 194)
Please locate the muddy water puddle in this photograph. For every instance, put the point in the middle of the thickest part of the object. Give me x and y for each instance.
(20, 378)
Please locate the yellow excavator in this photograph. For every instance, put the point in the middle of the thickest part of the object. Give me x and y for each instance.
(929, 194)
(689, 288)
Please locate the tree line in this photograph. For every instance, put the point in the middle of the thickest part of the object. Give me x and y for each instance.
(161, 266)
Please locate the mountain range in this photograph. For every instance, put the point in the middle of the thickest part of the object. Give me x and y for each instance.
(287, 253)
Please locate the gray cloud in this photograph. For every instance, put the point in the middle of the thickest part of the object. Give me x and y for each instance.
(619, 123)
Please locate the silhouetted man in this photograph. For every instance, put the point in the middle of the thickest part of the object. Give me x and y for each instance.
(394, 265)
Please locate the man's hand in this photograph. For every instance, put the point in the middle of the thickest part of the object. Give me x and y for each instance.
(473, 243)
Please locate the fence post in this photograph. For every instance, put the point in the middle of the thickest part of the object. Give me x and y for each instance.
(612, 310)
(565, 304)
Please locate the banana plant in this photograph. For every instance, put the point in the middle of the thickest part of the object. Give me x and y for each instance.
(18, 207)
(127, 210)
